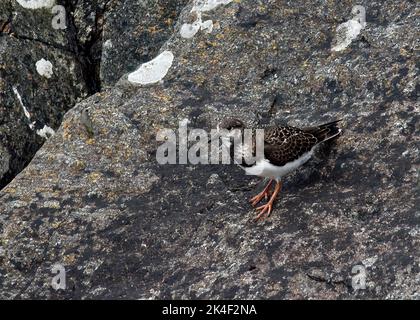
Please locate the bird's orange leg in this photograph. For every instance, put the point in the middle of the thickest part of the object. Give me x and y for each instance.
(268, 207)
(262, 194)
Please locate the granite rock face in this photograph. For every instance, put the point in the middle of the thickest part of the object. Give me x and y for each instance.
(102, 40)
(133, 33)
(31, 99)
(124, 226)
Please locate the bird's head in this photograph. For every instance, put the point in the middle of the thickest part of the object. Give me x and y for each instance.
(229, 130)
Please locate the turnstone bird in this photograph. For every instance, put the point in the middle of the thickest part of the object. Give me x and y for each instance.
(285, 149)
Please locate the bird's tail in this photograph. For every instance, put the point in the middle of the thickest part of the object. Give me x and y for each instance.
(325, 131)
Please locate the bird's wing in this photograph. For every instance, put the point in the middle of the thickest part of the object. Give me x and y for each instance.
(325, 131)
(277, 135)
(290, 148)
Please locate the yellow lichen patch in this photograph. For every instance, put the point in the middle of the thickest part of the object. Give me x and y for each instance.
(46, 176)
(212, 43)
(78, 165)
(67, 136)
(404, 52)
(69, 259)
(66, 131)
(90, 141)
(119, 171)
(274, 45)
(154, 29)
(27, 198)
(56, 225)
(220, 36)
(103, 131)
(51, 157)
(56, 194)
(94, 177)
(108, 151)
(162, 96)
(42, 190)
(200, 79)
(305, 63)
(126, 153)
(9, 190)
(112, 195)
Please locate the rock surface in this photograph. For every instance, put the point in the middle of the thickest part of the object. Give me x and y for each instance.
(103, 39)
(26, 38)
(124, 226)
(133, 33)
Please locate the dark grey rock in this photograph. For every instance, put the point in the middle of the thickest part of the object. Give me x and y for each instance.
(87, 20)
(133, 33)
(83, 63)
(125, 227)
(27, 36)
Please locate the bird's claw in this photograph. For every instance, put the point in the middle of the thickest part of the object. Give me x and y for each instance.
(266, 193)
(255, 200)
(265, 211)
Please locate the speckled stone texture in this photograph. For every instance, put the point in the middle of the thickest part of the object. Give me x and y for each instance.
(103, 40)
(133, 33)
(125, 227)
(27, 36)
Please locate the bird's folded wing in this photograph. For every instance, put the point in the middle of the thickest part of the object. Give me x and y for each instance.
(277, 135)
(290, 149)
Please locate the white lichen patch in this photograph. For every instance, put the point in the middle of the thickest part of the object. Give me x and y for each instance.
(369, 262)
(36, 4)
(189, 30)
(44, 68)
(346, 33)
(18, 204)
(45, 132)
(53, 204)
(154, 70)
(208, 5)
(107, 49)
(108, 44)
(207, 26)
(25, 111)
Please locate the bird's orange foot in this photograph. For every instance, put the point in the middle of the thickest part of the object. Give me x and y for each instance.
(263, 194)
(265, 211)
(255, 200)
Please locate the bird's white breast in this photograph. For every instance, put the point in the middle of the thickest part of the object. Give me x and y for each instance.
(264, 168)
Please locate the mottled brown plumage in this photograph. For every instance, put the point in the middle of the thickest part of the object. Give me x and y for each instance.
(285, 149)
(283, 144)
